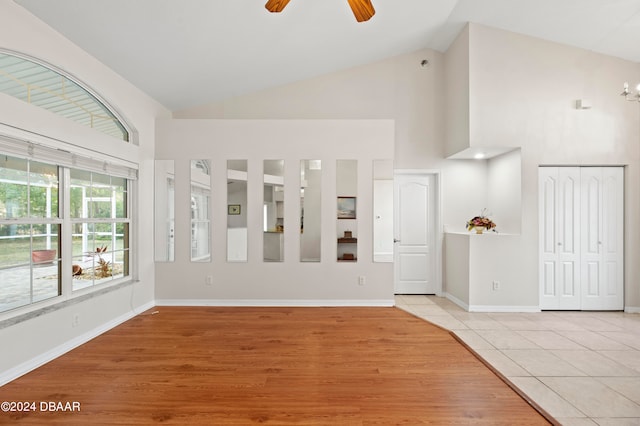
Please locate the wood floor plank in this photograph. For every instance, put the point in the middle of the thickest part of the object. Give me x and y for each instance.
(281, 366)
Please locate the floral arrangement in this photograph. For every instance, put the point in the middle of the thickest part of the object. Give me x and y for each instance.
(481, 222)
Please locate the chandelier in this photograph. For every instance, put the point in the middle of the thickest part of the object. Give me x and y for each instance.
(628, 95)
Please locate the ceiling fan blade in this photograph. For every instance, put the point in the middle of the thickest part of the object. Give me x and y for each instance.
(362, 9)
(276, 5)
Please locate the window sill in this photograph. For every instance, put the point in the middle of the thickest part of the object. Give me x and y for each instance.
(44, 307)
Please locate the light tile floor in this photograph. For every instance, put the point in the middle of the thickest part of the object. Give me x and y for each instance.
(583, 368)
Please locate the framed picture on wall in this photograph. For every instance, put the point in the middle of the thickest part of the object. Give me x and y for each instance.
(233, 209)
(346, 207)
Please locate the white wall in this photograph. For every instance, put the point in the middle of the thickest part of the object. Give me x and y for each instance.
(35, 339)
(456, 265)
(290, 282)
(464, 192)
(497, 257)
(499, 89)
(491, 186)
(504, 192)
(456, 101)
(397, 88)
(523, 95)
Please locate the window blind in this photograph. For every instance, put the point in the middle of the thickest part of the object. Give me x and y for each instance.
(99, 163)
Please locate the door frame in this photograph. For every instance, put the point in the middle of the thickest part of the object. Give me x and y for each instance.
(438, 234)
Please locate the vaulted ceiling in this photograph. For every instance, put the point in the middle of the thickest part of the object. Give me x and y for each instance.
(186, 53)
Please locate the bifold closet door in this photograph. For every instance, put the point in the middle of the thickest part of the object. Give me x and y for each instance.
(581, 238)
(602, 239)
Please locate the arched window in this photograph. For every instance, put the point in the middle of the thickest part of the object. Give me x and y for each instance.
(42, 85)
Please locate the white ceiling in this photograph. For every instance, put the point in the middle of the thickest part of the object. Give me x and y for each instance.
(186, 53)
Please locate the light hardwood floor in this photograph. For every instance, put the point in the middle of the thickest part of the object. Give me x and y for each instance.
(280, 366)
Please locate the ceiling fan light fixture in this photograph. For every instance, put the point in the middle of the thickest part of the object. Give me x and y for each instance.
(362, 9)
(276, 5)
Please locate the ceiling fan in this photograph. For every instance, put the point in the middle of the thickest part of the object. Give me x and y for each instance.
(362, 9)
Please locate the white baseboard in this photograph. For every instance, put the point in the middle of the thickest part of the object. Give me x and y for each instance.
(33, 363)
(457, 301)
(273, 303)
(490, 308)
(632, 309)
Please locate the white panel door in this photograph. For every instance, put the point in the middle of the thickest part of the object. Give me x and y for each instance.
(414, 223)
(581, 238)
(559, 212)
(602, 241)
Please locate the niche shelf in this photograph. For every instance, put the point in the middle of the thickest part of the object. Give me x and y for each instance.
(347, 256)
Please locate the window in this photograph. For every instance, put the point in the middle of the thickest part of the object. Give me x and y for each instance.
(34, 231)
(29, 232)
(43, 86)
(100, 228)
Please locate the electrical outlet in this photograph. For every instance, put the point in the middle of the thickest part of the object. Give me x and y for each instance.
(361, 280)
(208, 280)
(496, 285)
(75, 321)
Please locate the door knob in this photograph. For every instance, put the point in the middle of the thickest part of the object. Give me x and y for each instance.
(396, 240)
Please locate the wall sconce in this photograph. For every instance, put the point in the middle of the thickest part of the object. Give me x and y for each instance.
(628, 96)
(583, 104)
